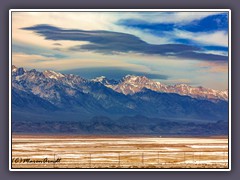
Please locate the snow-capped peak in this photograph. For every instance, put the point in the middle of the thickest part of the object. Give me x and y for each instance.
(181, 85)
(131, 84)
(52, 74)
(110, 83)
(18, 71)
(14, 68)
(99, 79)
(132, 79)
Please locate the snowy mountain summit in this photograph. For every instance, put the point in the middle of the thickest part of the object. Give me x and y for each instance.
(128, 85)
(52, 74)
(131, 84)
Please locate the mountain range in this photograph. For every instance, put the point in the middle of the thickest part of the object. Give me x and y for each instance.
(132, 105)
(131, 84)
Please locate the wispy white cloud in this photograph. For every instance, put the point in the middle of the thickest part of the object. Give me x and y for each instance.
(223, 53)
(213, 67)
(218, 38)
(173, 17)
(79, 60)
(98, 21)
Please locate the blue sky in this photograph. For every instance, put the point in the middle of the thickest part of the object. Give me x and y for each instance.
(170, 47)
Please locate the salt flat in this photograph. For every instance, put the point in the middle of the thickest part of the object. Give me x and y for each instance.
(119, 152)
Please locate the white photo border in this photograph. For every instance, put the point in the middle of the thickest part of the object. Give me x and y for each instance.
(119, 10)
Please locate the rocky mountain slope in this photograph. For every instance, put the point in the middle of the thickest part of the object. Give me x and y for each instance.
(50, 96)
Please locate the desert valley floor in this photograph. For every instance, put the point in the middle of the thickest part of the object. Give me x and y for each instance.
(44, 151)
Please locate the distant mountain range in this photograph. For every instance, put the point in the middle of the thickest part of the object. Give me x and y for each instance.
(51, 97)
(131, 84)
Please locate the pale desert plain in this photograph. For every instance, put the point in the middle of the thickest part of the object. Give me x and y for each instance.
(65, 151)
